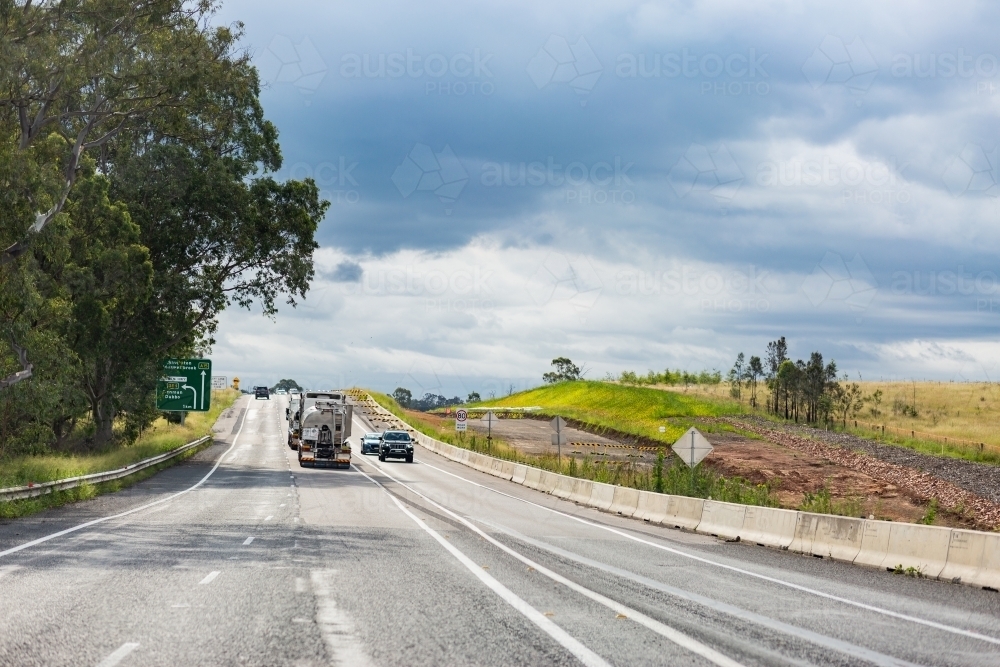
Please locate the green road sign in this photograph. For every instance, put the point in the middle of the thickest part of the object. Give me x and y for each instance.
(184, 385)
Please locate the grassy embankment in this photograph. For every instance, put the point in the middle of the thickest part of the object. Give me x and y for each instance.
(159, 438)
(930, 411)
(632, 410)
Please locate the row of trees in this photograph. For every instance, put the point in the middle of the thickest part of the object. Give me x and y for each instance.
(669, 377)
(807, 391)
(136, 204)
(429, 401)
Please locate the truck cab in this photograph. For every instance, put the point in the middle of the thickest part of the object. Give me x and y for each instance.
(325, 427)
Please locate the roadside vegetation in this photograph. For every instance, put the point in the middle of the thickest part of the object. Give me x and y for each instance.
(161, 437)
(668, 475)
(139, 202)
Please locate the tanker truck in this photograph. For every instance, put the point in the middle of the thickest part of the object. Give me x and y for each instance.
(324, 429)
(297, 404)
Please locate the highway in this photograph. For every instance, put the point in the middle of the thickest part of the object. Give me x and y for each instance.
(240, 557)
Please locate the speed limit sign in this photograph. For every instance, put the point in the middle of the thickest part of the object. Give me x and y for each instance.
(461, 417)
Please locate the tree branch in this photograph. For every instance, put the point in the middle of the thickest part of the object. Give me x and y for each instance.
(26, 366)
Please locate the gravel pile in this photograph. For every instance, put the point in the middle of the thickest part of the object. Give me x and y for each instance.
(965, 486)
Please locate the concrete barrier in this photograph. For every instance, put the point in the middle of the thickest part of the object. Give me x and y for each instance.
(583, 489)
(547, 482)
(683, 512)
(602, 495)
(924, 548)
(874, 543)
(520, 472)
(973, 558)
(564, 487)
(625, 501)
(506, 470)
(769, 526)
(723, 520)
(652, 507)
(532, 478)
(828, 536)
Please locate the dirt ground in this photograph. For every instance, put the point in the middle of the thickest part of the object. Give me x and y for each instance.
(791, 473)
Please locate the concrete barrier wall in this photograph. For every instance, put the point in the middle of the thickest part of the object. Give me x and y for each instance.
(828, 536)
(683, 512)
(602, 496)
(532, 477)
(962, 556)
(548, 481)
(874, 543)
(922, 547)
(625, 501)
(583, 489)
(769, 526)
(564, 487)
(652, 507)
(520, 472)
(723, 520)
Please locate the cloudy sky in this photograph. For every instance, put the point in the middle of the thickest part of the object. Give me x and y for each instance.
(632, 185)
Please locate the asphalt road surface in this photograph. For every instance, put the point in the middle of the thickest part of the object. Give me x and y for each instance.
(239, 557)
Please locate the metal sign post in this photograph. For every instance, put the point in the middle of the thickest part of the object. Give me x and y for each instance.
(558, 424)
(488, 418)
(692, 447)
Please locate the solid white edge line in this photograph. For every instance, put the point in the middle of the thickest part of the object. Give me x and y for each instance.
(118, 654)
(94, 522)
(676, 636)
(733, 568)
(579, 651)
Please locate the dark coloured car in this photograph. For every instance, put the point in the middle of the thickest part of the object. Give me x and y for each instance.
(261, 392)
(369, 443)
(395, 445)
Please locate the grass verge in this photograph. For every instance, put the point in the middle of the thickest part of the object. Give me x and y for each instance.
(160, 438)
(673, 477)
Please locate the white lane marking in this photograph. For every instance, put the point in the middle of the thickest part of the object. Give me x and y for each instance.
(733, 568)
(270, 516)
(248, 540)
(581, 652)
(334, 624)
(676, 636)
(118, 655)
(744, 614)
(7, 569)
(300, 585)
(94, 522)
(281, 505)
(209, 578)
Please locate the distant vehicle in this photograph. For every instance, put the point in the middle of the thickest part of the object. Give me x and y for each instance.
(261, 392)
(281, 392)
(297, 406)
(396, 445)
(369, 443)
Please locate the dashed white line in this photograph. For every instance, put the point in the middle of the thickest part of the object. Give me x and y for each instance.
(269, 517)
(568, 642)
(248, 540)
(209, 578)
(118, 655)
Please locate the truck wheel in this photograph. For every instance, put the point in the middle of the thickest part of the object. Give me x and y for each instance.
(409, 459)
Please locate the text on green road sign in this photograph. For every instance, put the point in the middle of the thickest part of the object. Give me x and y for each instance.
(184, 385)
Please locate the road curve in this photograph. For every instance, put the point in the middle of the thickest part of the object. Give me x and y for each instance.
(240, 557)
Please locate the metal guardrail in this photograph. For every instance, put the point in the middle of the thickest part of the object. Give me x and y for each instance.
(34, 490)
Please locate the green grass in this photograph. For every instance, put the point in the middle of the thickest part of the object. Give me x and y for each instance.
(677, 479)
(159, 438)
(635, 410)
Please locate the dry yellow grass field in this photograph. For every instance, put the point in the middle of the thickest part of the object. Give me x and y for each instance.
(959, 411)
